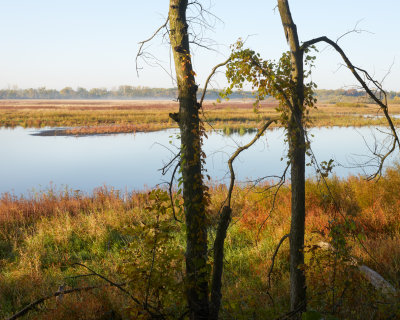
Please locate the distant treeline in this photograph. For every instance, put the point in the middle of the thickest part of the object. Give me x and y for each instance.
(336, 95)
(123, 92)
(130, 92)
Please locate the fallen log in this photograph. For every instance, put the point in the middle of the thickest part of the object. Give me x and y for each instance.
(374, 278)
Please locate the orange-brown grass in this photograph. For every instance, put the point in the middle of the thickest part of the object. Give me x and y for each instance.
(114, 129)
(109, 116)
(42, 236)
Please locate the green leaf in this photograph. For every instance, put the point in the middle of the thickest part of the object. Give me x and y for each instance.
(312, 315)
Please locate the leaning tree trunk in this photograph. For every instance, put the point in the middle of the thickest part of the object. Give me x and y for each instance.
(297, 161)
(193, 190)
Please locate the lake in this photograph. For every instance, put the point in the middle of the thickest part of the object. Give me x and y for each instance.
(128, 162)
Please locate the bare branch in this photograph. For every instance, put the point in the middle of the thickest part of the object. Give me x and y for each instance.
(236, 154)
(204, 11)
(271, 268)
(388, 71)
(353, 69)
(200, 21)
(354, 30)
(209, 78)
(166, 167)
(152, 61)
(207, 47)
(291, 314)
(382, 161)
(170, 192)
(164, 171)
(142, 43)
(109, 281)
(222, 228)
(381, 101)
(32, 305)
(278, 187)
(154, 312)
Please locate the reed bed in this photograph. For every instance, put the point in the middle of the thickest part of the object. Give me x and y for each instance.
(102, 117)
(41, 236)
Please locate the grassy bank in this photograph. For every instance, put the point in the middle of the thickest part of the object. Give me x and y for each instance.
(133, 239)
(97, 116)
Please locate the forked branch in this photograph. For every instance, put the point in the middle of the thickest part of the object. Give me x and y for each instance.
(240, 150)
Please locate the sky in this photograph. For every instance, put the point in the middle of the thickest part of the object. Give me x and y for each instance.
(93, 43)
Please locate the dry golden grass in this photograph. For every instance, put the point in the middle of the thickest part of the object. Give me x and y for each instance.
(115, 116)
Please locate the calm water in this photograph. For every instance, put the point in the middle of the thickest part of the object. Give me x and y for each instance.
(131, 161)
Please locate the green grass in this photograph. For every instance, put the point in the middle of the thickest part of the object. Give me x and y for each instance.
(42, 238)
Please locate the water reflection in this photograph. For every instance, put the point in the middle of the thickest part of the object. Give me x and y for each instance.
(131, 161)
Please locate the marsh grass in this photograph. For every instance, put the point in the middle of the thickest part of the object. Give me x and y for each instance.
(105, 117)
(41, 237)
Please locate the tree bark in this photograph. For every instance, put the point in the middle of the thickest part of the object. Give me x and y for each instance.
(218, 267)
(297, 150)
(193, 189)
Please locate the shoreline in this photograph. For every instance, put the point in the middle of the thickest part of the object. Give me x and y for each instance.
(100, 117)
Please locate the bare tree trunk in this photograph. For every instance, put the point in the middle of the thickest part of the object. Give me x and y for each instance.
(193, 190)
(297, 161)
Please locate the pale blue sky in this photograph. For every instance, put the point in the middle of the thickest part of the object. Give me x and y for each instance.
(93, 43)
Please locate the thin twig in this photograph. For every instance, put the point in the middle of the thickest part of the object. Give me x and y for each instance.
(110, 282)
(142, 43)
(278, 187)
(170, 192)
(209, 78)
(32, 305)
(166, 167)
(354, 30)
(154, 314)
